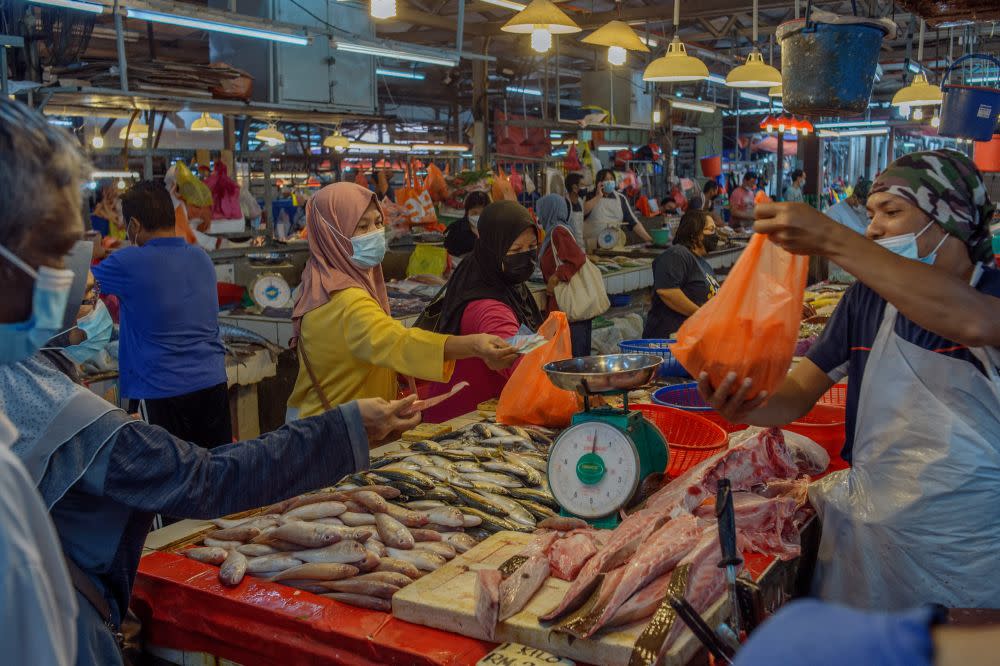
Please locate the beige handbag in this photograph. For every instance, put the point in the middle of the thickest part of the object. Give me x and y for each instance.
(584, 296)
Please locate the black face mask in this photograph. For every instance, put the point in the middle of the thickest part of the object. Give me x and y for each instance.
(710, 242)
(517, 268)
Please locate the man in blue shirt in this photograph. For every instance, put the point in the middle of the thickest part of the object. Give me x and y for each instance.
(170, 355)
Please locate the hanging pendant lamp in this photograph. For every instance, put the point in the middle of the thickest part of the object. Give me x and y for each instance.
(619, 38)
(337, 142)
(206, 123)
(271, 136)
(541, 19)
(755, 73)
(919, 92)
(382, 9)
(774, 91)
(676, 66)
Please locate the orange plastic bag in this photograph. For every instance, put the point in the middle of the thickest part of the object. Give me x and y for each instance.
(502, 189)
(751, 326)
(529, 398)
(416, 202)
(435, 183)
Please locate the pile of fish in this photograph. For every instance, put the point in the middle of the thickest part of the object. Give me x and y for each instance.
(621, 577)
(377, 531)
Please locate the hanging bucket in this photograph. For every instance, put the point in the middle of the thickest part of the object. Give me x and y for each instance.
(969, 112)
(711, 167)
(828, 65)
(986, 155)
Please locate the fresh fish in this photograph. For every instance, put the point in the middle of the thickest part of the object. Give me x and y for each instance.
(361, 601)
(392, 532)
(345, 552)
(563, 524)
(233, 569)
(448, 516)
(423, 505)
(403, 465)
(457, 454)
(489, 521)
(494, 477)
(514, 511)
(317, 571)
(406, 516)
(467, 466)
(221, 543)
(530, 472)
(353, 519)
(410, 491)
(208, 555)
(446, 476)
(506, 441)
(373, 502)
(470, 520)
(370, 563)
(443, 463)
(235, 335)
(517, 590)
(480, 453)
(390, 577)
(537, 462)
(441, 493)
(477, 533)
(534, 495)
(310, 535)
(425, 445)
(487, 597)
(386, 492)
(408, 476)
(497, 430)
(329, 521)
(318, 510)
(422, 559)
(311, 498)
(478, 501)
(445, 550)
(421, 459)
(445, 528)
(367, 587)
(539, 511)
(259, 522)
(257, 549)
(425, 535)
(272, 563)
(461, 541)
(316, 587)
(395, 565)
(375, 546)
(488, 487)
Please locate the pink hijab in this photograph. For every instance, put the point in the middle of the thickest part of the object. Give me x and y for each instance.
(330, 268)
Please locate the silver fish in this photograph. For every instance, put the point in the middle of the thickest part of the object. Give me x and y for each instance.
(257, 549)
(208, 555)
(421, 505)
(527, 474)
(367, 587)
(494, 477)
(272, 563)
(467, 466)
(515, 511)
(445, 550)
(421, 559)
(357, 519)
(220, 543)
(448, 515)
(345, 552)
(392, 532)
(319, 510)
(233, 569)
(240, 533)
(461, 541)
(317, 571)
(241, 336)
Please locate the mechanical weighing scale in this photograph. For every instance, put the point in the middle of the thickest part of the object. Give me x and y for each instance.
(597, 464)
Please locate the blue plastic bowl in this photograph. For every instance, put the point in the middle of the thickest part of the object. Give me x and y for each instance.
(681, 396)
(658, 347)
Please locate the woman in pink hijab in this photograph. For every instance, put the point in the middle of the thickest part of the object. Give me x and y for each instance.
(349, 345)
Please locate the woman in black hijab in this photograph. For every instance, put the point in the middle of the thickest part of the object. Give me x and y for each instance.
(487, 294)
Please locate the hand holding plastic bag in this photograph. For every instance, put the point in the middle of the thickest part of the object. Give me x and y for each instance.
(752, 324)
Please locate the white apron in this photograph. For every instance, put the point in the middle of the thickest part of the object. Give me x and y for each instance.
(915, 519)
(576, 225)
(607, 213)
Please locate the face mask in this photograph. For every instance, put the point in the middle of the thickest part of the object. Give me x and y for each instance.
(474, 222)
(905, 245)
(608, 186)
(98, 326)
(369, 249)
(517, 268)
(20, 340)
(710, 242)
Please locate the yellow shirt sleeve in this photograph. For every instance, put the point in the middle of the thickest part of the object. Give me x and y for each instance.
(376, 338)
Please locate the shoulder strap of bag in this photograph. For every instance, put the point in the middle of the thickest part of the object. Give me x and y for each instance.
(552, 243)
(312, 376)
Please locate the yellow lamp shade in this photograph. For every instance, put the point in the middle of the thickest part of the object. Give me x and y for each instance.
(337, 142)
(616, 33)
(206, 123)
(918, 93)
(755, 73)
(774, 91)
(541, 15)
(139, 130)
(271, 136)
(676, 66)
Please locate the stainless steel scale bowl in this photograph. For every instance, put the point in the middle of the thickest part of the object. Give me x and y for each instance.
(614, 373)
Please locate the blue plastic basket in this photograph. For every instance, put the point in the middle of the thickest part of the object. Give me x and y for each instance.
(659, 347)
(681, 396)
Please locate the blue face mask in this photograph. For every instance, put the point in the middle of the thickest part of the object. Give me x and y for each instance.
(905, 245)
(98, 326)
(369, 249)
(608, 186)
(20, 340)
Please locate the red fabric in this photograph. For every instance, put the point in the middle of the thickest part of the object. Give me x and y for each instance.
(482, 316)
(571, 256)
(183, 606)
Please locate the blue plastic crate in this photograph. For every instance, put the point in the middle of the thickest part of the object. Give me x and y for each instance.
(660, 347)
(681, 396)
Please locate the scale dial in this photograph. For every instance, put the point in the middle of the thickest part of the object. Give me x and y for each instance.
(593, 469)
(271, 290)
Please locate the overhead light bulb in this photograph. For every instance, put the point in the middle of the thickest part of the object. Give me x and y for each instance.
(541, 40)
(383, 9)
(121, 184)
(617, 55)
(657, 116)
(904, 110)
(918, 114)
(97, 141)
(936, 121)
(781, 127)
(770, 127)
(137, 141)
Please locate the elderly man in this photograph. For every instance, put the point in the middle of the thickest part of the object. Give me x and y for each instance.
(102, 475)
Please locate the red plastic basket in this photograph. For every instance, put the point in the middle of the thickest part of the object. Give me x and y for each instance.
(837, 396)
(825, 425)
(229, 294)
(691, 438)
(687, 398)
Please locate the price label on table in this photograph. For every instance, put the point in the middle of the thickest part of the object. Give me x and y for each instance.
(515, 654)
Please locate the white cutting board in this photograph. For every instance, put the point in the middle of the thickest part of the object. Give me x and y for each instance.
(445, 599)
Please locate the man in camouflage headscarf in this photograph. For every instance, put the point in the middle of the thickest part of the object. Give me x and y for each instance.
(948, 187)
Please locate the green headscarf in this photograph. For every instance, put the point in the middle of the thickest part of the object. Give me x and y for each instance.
(947, 186)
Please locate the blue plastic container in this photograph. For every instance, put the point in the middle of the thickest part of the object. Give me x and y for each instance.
(969, 112)
(658, 347)
(681, 396)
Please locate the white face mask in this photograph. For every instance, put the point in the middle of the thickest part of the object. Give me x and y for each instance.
(474, 222)
(905, 245)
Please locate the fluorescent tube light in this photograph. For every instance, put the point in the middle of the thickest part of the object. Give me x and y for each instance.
(113, 174)
(755, 98)
(524, 91)
(91, 7)
(874, 131)
(441, 147)
(715, 78)
(380, 147)
(848, 123)
(400, 74)
(216, 26)
(692, 106)
(386, 52)
(614, 146)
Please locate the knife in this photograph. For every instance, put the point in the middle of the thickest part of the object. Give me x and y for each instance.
(726, 517)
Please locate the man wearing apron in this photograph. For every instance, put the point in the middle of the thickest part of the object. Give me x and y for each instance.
(574, 199)
(918, 336)
(607, 207)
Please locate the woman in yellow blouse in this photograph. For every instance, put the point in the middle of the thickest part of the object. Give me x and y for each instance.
(349, 345)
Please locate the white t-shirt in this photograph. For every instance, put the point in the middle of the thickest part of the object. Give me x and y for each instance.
(37, 599)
